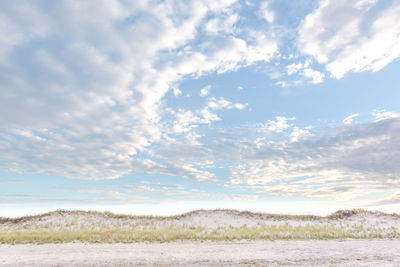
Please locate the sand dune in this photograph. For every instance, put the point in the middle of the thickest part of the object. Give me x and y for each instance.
(196, 225)
(212, 219)
(201, 238)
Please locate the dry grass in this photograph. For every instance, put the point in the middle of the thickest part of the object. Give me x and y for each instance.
(152, 217)
(173, 233)
(165, 229)
(340, 214)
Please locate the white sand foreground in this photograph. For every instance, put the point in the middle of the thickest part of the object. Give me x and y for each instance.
(378, 252)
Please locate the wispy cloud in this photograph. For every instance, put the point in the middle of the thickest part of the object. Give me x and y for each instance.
(107, 89)
(342, 162)
(393, 199)
(350, 160)
(84, 103)
(349, 119)
(351, 36)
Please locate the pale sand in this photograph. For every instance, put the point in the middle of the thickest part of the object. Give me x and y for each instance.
(188, 253)
(210, 219)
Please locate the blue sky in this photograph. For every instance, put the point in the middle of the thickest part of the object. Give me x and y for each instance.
(160, 107)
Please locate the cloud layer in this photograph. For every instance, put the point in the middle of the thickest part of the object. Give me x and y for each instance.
(82, 83)
(339, 161)
(83, 89)
(352, 36)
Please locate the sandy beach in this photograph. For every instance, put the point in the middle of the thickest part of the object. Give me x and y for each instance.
(201, 238)
(189, 253)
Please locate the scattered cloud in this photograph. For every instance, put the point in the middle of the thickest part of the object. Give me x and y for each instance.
(294, 68)
(314, 75)
(205, 90)
(280, 124)
(341, 162)
(349, 119)
(220, 103)
(304, 70)
(81, 97)
(222, 24)
(281, 157)
(176, 91)
(351, 36)
(384, 115)
(265, 12)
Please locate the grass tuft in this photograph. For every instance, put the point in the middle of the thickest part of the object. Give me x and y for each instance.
(173, 233)
(127, 229)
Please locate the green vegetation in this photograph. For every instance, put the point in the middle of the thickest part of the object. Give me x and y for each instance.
(173, 233)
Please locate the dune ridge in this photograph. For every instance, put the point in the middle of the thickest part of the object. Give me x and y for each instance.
(63, 226)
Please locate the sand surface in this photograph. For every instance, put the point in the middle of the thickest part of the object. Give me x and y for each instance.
(188, 253)
(210, 219)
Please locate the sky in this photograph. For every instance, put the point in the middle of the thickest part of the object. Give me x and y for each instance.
(165, 106)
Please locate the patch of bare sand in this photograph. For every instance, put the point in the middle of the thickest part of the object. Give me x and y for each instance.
(209, 219)
(244, 253)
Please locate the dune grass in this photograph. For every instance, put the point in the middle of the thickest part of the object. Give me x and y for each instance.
(340, 214)
(173, 233)
(37, 230)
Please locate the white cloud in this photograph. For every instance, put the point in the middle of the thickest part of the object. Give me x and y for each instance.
(208, 116)
(176, 91)
(304, 70)
(239, 106)
(176, 167)
(89, 104)
(352, 36)
(343, 163)
(349, 119)
(205, 90)
(186, 120)
(94, 76)
(299, 133)
(279, 157)
(385, 115)
(279, 125)
(214, 103)
(314, 75)
(266, 13)
(294, 68)
(224, 23)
